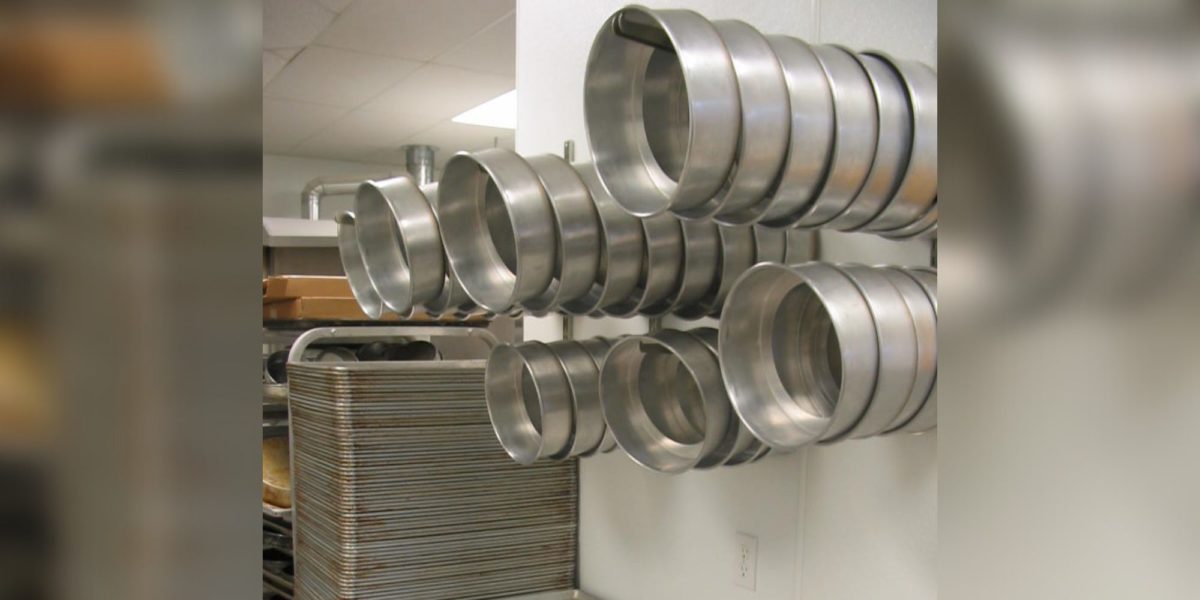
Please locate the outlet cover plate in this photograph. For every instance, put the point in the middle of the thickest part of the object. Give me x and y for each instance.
(746, 561)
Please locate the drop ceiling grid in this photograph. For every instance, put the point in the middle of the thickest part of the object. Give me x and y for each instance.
(368, 78)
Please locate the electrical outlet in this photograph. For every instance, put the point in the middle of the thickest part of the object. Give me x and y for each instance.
(747, 561)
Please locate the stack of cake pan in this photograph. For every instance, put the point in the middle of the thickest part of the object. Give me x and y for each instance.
(401, 490)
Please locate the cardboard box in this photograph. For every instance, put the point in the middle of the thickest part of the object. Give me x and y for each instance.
(302, 286)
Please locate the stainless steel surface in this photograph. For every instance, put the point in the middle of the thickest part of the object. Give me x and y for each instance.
(419, 161)
(577, 230)
(801, 247)
(811, 142)
(897, 334)
(621, 248)
(503, 241)
(529, 402)
(598, 348)
(356, 272)
(765, 123)
(400, 242)
(737, 440)
(453, 298)
(663, 400)
(918, 188)
(856, 126)
(737, 250)
(583, 376)
(926, 417)
(798, 352)
(925, 320)
(662, 109)
(770, 244)
(892, 150)
(925, 226)
(402, 491)
(662, 259)
(701, 254)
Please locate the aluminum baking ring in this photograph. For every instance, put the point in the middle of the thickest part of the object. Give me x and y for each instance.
(583, 376)
(352, 264)
(898, 359)
(597, 348)
(621, 243)
(400, 241)
(454, 298)
(925, 321)
(765, 362)
(919, 228)
(891, 151)
(529, 401)
(658, 85)
(671, 430)
(810, 145)
(701, 251)
(765, 123)
(475, 191)
(856, 124)
(662, 260)
(770, 244)
(918, 186)
(738, 440)
(577, 229)
(737, 255)
(926, 417)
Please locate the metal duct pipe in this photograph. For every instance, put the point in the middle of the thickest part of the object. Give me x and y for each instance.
(418, 160)
(319, 187)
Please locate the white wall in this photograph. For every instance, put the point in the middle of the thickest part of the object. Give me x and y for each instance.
(848, 522)
(284, 178)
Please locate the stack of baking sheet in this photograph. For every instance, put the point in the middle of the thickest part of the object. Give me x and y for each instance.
(402, 491)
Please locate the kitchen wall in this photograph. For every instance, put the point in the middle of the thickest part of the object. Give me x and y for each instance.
(284, 178)
(847, 522)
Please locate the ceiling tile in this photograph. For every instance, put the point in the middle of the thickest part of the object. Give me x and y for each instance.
(293, 23)
(413, 29)
(440, 92)
(374, 130)
(287, 122)
(286, 53)
(272, 65)
(337, 77)
(493, 50)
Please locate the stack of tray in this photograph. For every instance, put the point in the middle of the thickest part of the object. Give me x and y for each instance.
(402, 491)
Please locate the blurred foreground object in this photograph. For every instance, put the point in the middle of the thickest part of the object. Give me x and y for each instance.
(1070, 283)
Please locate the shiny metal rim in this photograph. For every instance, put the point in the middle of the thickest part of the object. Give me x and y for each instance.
(926, 326)
(891, 152)
(661, 264)
(777, 318)
(622, 69)
(810, 145)
(701, 254)
(577, 228)
(511, 370)
(922, 227)
(766, 123)
(898, 360)
(584, 378)
(453, 298)
(856, 127)
(477, 260)
(736, 255)
(620, 251)
(625, 406)
(356, 272)
(918, 187)
(737, 440)
(400, 241)
(801, 247)
(770, 244)
(926, 417)
(598, 348)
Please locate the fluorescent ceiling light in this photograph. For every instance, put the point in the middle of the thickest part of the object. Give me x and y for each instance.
(500, 111)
